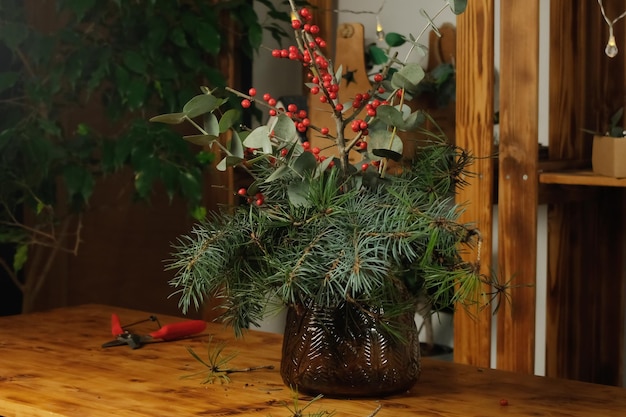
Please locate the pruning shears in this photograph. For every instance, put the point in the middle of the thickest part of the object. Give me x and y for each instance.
(165, 333)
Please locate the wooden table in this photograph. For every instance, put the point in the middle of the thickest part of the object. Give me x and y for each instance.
(51, 364)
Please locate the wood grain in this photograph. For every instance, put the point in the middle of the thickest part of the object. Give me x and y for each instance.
(517, 182)
(586, 246)
(474, 132)
(51, 364)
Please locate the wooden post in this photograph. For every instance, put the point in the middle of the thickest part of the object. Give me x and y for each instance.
(518, 182)
(474, 132)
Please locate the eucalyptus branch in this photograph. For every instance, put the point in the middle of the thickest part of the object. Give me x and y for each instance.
(424, 31)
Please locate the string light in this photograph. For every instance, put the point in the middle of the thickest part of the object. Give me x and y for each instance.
(380, 31)
(611, 46)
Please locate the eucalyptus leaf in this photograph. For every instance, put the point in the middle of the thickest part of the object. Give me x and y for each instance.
(170, 118)
(408, 77)
(278, 173)
(304, 163)
(228, 161)
(389, 115)
(259, 138)
(201, 140)
(457, 6)
(235, 146)
(229, 119)
(298, 193)
(284, 129)
(211, 124)
(383, 139)
(200, 104)
(339, 73)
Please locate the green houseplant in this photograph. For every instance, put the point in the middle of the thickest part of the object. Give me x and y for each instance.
(348, 247)
(73, 91)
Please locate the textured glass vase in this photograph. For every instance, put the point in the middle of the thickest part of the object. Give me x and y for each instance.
(347, 352)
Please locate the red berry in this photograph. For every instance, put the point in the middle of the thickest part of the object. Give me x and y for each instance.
(252, 92)
(292, 108)
(271, 102)
(362, 145)
(245, 103)
(339, 107)
(316, 150)
(242, 192)
(363, 124)
(324, 131)
(378, 78)
(364, 166)
(267, 96)
(296, 24)
(504, 402)
(272, 112)
(276, 53)
(314, 29)
(259, 201)
(284, 152)
(306, 145)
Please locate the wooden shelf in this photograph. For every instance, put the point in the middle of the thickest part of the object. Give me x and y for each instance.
(580, 177)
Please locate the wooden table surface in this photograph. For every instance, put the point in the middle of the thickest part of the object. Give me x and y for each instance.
(51, 364)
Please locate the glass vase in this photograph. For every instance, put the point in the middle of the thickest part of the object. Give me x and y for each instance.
(348, 351)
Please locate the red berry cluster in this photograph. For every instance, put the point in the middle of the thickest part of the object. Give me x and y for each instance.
(258, 198)
(322, 82)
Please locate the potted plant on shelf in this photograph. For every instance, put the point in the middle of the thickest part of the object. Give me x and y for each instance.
(608, 152)
(348, 247)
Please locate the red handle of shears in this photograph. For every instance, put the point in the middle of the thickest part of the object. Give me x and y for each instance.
(178, 330)
(116, 327)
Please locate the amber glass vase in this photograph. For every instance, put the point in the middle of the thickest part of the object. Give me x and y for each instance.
(348, 352)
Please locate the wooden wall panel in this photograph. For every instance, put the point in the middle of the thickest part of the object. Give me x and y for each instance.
(474, 131)
(586, 239)
(517, 182)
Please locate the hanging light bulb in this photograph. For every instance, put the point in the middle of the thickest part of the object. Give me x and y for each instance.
(611, 47)
(380, 33)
